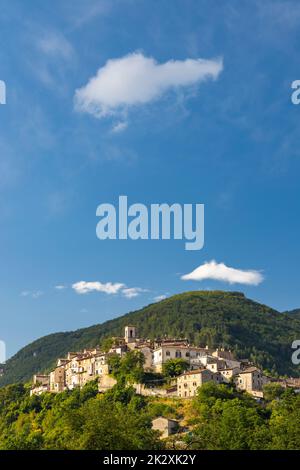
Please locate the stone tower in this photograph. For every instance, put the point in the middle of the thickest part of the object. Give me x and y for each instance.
(130, 334)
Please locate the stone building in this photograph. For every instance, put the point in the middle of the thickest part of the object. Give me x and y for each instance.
(203, 365)
(58, 379)
(188, 382)
(165, 426)
(190, 354)
(251, 380)
(229, 373)
(41, 384)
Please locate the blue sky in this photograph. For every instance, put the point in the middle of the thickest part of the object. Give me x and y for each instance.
(231, 143)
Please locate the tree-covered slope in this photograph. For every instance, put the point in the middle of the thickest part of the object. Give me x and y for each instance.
(295, 313)
(219, 417)
(216, 318)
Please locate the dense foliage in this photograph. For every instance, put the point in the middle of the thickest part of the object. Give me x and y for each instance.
(128, 368)
(215, 318)
(294, 313)
(227, 419)
(174, 367)
(81, 419)
(219, 417)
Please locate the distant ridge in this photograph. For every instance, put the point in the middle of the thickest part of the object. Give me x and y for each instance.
(295, 313)
(219, 319)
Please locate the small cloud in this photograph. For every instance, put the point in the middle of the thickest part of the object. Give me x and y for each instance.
(119, 127)
(135, 80)
(130, 292)
(54, 44)
(115, 153)
(81, 13)
(221, 272)
(83, 287)
(32, 294)
(37, 294)
(158, 298)
(60, 287)
(25, 293)
(50, 57)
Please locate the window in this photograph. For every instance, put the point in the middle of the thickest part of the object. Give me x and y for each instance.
(178, 354)
(187, 354)
(167, 353)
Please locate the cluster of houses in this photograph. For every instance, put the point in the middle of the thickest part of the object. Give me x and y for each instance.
(203, 365)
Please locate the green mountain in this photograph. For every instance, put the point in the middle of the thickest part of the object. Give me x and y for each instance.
(215, 318)
(295, 313)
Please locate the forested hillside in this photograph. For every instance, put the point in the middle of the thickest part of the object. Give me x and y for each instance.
(294, 313)
(215, 318)
(219, 417)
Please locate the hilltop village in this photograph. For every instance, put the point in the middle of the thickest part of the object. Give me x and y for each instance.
(202, 365)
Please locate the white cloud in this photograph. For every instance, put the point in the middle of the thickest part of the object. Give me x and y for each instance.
(32, 294)
(221, 272)
(37, 294)
(158, 298)
(56, 45)
(25, 293)
(50, 57)
(119, 127)
(131, 292)
(60, 287)
(136, 80)
(80, 13)
(83, 287)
